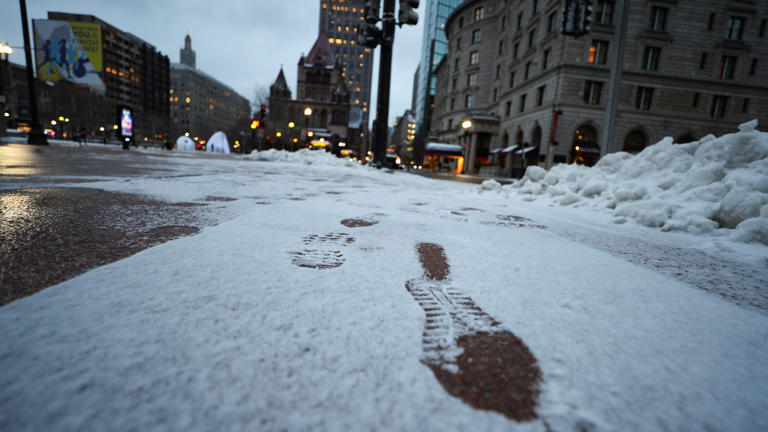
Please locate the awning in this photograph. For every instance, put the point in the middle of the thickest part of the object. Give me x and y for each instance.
(441, 149)
(526, 150)
(510, 148)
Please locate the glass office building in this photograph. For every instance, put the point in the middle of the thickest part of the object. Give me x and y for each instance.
(434, 46)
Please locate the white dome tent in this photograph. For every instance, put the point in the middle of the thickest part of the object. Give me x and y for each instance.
(218, 143)
(185, 144)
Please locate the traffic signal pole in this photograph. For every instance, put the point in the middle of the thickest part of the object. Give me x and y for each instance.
(617, 64)
(36, 134)
(385, 81)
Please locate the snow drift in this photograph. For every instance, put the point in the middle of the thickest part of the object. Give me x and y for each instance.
(303, 156)
(711, 185)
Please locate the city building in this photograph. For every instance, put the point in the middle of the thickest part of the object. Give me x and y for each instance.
(403, 136)
(434, 46)
(133, 73)
(201, 105)
(339, 20)
(535, 96)
(321, 112)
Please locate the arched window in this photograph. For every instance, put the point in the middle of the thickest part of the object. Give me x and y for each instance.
(635, 142)
(519, 137)
(536, 136)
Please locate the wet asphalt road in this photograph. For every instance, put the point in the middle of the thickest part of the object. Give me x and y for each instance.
(49, 234)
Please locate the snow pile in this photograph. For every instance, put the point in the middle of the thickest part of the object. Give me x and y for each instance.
(303, 156)
(700, 187)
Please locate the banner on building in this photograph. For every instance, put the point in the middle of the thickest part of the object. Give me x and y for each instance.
(69, 51)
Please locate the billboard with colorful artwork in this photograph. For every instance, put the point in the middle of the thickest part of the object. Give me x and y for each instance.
(69, 51)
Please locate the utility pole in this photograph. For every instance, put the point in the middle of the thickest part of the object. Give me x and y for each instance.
(617, 64)
(36, 134)
(385, 77)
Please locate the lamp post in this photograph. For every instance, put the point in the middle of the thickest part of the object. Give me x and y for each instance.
(290, 127)
(307, 115)
(5, 74)
(36, 134)
(467, 125)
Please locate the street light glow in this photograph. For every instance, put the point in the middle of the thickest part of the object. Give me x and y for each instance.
(5, 49)
(101, 129)
(279, 134)
(467, 124)
(308, 111)
(53, 122)
(291, 125)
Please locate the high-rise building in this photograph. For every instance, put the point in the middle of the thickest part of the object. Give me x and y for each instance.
(201, 104)
(434, 46)
(339, 20)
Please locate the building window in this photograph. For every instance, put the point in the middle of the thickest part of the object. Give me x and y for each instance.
(763, 25)
(531, 38)
(753, 68)
(727, 67)
(458, 44)
(515, 50)
(745, 105)
(455, 82)
(659, 18)
(651, 58)
(644, 98)
(469, 101)
(719, 105)
(711, 23)
(540, 95)
(456, 65)
(535, 6)
(474, 58)
(476, 35)
(508, 108)
(495, 94)
(450, 124)
(453, 103)
(552, 23)
(598, 52)
(545, 59)
(498, 71)
(592, 91)
(479, 14)
(527, 70)
(461, 22)
(501, 47)
(695, 103)
(512, 79)
(703, 61)
(520, 21)
(522, 103)
(471, 79)
(604, 11)
(503, 23)
(735, 28)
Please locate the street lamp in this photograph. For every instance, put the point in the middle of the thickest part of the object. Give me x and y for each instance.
(6, 50)
(307, 115)
(466, 125)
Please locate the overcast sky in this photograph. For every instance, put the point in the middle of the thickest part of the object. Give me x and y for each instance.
(241, 43)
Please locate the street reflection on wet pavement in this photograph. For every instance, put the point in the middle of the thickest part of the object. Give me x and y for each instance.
(48, 235)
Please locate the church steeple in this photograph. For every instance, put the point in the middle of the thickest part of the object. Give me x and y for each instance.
(186, 54)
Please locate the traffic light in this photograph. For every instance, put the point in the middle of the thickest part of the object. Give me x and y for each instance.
(368, 35)
(407, 15)
(586, 17)
(263, 112)
(577, 18)
(371, 11)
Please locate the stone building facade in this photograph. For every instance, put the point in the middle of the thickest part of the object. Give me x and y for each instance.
(321, 87)
(201, 105)
(538, 97)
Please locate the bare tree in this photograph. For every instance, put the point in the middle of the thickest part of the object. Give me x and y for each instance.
(260, 96)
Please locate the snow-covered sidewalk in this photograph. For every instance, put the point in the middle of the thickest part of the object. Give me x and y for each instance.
(285, 318)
